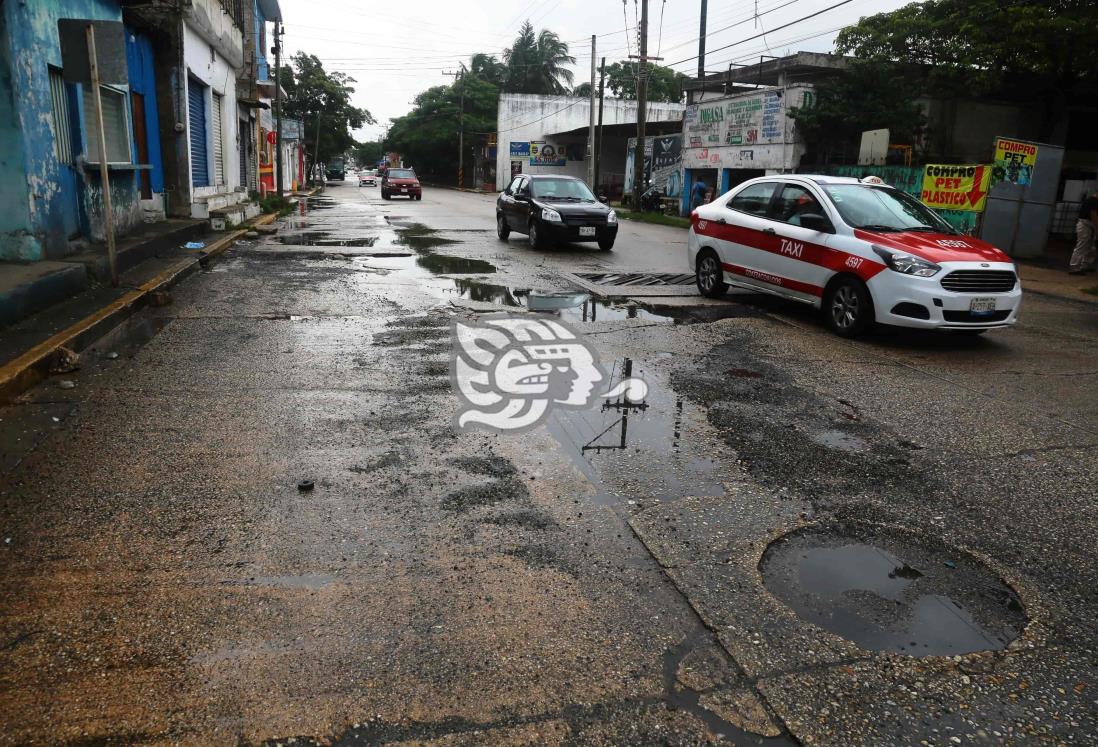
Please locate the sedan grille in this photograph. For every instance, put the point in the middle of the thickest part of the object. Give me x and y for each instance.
(980, 281)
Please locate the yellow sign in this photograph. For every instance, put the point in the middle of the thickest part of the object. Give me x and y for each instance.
(952, 187)
(1014, 161)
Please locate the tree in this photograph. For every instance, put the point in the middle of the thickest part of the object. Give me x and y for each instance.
(427, 137)
(368, 153)
(867, 96)
(1043, 49)
(317, 97)
(536, 63)
(664, 84)
(487, 67)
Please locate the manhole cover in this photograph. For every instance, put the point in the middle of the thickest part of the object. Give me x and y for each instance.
(884, 592)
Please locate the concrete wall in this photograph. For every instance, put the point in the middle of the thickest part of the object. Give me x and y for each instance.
(731, 133)
(527, 117)
(17, 240)
(964, 131)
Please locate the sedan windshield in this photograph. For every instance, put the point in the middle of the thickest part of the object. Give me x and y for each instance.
(402, 174)
(561, 189)
(883, 209)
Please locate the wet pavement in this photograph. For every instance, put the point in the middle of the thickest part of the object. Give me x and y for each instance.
(791, 539)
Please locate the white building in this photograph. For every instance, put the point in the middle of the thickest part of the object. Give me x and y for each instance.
(548, 135)
(213, 53)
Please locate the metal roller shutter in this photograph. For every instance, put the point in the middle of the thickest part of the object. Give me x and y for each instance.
(218, 139)
(196, 105)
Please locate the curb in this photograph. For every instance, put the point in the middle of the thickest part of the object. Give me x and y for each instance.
(32, 367)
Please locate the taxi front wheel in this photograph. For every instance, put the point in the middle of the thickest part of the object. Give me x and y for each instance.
(847, 307)
(709, 275)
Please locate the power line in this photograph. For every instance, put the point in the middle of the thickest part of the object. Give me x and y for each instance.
(756, 36)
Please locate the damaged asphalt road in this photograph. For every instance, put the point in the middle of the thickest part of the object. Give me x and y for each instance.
(751, 559)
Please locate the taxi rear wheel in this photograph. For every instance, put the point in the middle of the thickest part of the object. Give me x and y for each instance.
(847, 307)
(709, 275)
(502, 229)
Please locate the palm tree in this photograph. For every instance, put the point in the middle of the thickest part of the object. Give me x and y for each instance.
(488, 68)
(536, 63)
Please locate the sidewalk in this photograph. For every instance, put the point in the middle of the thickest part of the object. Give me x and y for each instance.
(28, 347)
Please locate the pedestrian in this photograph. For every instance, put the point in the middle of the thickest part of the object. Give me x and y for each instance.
(1082, 259)
(697, 194)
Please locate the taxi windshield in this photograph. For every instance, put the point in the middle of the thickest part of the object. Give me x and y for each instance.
(883, 209)
(561, 189)
(402, 174)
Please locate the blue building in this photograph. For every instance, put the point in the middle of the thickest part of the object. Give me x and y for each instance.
(50, 191)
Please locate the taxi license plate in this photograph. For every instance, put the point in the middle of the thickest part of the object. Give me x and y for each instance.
(587, 230)
(980, 306)
(403, 191)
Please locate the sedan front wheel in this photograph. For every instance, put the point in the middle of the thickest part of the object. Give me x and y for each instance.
(848, 308)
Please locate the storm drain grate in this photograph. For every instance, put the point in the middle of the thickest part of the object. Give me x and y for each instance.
(636, 278)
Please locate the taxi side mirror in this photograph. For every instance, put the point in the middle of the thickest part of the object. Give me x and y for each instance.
(815, 222)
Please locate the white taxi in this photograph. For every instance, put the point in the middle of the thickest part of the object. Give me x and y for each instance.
(861, 252)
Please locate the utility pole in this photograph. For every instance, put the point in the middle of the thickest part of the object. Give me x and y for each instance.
(101, 142)
(278, 108)
(591, 168)
(459, 79)
(598, 132)
(642, 105)
(701, 41)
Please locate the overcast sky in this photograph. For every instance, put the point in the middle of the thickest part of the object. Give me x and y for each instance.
(395, 50)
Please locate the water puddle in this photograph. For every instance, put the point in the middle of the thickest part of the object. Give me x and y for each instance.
(645, 442)
(323, 238)
(887, 593)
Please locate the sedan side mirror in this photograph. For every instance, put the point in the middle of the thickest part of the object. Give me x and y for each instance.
(815, 222)
(604, 199)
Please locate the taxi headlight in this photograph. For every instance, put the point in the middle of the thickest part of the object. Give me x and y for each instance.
(548, 214)
(611, 218)
(906, 264)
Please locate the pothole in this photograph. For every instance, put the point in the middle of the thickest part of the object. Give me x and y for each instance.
(887, 592)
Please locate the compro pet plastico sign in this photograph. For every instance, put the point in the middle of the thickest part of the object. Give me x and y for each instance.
(955, 187)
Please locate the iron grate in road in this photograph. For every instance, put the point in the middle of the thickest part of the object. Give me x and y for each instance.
(636, 278)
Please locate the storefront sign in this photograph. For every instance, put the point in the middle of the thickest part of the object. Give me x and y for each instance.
(546, 154)
(520, 150)
(751, 119)
(953, 187)
(1014, 161)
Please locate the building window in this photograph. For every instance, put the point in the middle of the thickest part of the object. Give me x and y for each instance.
(62, 142)
(115, 125)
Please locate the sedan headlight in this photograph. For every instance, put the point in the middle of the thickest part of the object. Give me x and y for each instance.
(548, 214)
(611, 217)
(906, 264)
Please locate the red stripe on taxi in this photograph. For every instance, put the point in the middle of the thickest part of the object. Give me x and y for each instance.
(772, 279)
(803, 251)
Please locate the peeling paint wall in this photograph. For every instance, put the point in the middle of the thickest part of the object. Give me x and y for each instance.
(58, 195)
(17, 241)
(204, 62)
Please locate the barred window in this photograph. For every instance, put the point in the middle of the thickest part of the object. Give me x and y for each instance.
(62, 135)
(115, 125)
